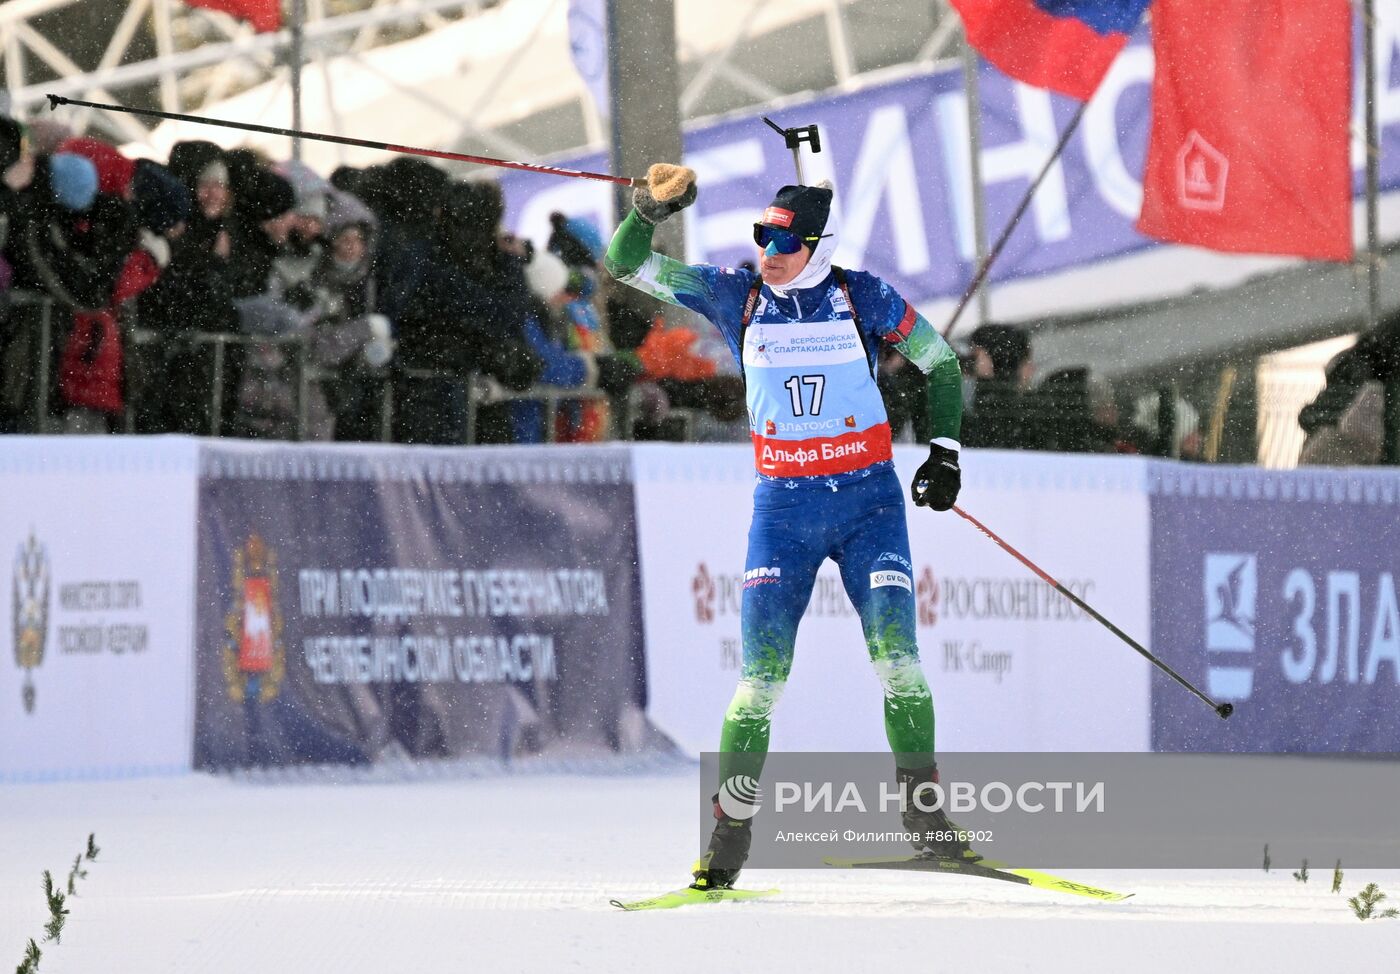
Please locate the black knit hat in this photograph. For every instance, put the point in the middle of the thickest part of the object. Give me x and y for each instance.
(189, 159)
(801, 209)
(1006, 345)
(160, 199)
(261, 194)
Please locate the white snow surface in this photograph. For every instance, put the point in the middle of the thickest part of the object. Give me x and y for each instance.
(342, 872)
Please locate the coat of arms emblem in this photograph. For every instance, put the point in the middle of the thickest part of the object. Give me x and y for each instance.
(31, 612)
(254, 659)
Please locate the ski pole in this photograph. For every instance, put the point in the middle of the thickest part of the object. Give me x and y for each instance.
(1223, 709)
(56, 100)
(1011, 224)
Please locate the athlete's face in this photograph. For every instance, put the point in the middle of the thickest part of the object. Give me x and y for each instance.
(778, 269)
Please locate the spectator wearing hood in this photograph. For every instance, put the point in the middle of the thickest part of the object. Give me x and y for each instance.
(91, 368)
(93, 372)
(1374, 358)
(200, 166)
(578, 244)
(352, 341)
(195, 291)
(550, 335)
(407, 197)
(300, 254)
(163, 207)
(465, 315)
(575, 241)
(1079, 413)
(69, 242)
(243, 212)
(114, 170)
(263, 219)
(1004, 413)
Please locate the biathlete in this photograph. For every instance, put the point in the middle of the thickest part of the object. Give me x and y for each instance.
(807, 335)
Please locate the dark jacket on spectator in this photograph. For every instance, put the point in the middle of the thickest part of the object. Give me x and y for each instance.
(1002, 417)
(259, 195)
(72, 257)
(469, 312)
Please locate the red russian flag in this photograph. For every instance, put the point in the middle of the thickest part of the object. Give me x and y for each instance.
(1063, 45)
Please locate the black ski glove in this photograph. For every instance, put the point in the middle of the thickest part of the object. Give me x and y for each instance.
(938, 480)
(669, 189)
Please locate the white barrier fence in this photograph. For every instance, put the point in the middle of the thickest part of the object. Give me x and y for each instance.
(97, 553)
(98, 540)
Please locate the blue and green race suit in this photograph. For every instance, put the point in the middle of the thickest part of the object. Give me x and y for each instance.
(826, 482)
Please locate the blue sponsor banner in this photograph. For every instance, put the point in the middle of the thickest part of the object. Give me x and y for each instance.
(897, 154)
(1276, 591)
(354, 602)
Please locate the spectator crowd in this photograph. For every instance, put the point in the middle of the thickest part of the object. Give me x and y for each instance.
(223, 293)
(1068, 410)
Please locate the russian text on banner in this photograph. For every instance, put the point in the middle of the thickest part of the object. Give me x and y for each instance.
(434, 603)
(1275, 590)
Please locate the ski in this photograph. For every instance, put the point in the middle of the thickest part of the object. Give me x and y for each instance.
(984, 869)
(689, 896)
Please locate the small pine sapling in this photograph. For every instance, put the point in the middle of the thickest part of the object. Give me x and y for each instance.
(75, 874)
(92, 848)
(53, 930)
(30, 964)
(1302, 874)
(1364, 904)
(1337, 877)
(1267, 860)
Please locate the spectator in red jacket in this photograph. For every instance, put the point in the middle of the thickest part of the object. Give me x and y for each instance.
(93, 371)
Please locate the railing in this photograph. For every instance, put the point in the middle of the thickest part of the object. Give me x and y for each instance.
(482, 391)
(43, 343)
(479, 390)
(40, 354)
(40, 333)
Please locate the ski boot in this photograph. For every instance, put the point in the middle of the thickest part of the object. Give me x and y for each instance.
(936, 836)
(728, 849)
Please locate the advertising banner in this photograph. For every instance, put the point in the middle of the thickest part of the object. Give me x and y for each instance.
(1275, 591)
(1013, 666)
(357, 602)
(97, 568)
(897, 155)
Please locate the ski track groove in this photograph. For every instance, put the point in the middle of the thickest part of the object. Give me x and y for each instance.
(814, 895)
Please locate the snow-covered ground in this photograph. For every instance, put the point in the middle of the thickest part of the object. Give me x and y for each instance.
(513, 873)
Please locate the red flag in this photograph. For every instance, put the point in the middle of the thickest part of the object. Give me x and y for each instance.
(264, 15)
(1250, 148)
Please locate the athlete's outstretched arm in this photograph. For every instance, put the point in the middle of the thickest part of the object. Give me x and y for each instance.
(922, 345)
(712, 292)
(631, 260)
